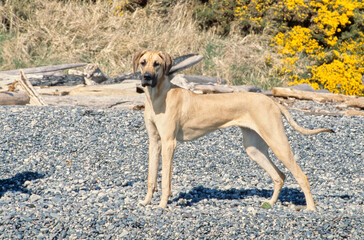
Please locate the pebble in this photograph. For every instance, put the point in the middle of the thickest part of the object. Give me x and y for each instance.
(79, 173)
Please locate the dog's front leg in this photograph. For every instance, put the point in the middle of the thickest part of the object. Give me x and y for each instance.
(154, 157)
(168, 147)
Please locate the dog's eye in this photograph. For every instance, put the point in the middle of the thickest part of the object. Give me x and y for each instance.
(143, 63)
(156, 64)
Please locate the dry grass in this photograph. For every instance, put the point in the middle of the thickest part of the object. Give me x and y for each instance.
(56, 32)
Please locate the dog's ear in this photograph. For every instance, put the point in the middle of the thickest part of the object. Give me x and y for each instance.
(168, 61)
(136, 59)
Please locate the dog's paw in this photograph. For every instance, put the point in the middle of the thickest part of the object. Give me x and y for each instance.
(311, 208)
(144, 203)
(162, 205)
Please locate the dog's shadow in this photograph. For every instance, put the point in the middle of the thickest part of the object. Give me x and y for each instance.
(200, 193)
(16, 183)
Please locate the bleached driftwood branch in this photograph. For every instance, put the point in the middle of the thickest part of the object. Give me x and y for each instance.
(350, 101)
(52, 68)
(35, 98)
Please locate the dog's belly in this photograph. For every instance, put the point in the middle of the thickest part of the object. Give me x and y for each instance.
(189, 133)
(192, 130)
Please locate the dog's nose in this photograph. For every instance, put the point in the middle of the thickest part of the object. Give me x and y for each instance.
(147, 76)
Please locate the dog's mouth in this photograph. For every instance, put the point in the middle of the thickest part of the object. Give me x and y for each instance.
(149, 80)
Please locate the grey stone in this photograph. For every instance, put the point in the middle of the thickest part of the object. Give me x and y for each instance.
(89, 171)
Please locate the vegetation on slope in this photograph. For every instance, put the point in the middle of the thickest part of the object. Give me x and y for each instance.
(266, 43)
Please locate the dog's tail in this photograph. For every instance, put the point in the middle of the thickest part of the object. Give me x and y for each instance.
(297, 127)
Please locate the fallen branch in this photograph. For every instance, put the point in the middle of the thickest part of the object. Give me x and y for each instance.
(35, 98)
(351, 101)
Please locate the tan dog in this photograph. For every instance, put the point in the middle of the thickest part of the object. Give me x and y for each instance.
(173, 114)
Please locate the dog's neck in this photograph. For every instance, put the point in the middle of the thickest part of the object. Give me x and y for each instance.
(157, 94)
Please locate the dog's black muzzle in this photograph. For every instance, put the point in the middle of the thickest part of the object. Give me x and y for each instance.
(149, 79)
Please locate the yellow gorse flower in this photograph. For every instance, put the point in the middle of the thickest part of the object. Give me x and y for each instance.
(339, 64)
(299, 39)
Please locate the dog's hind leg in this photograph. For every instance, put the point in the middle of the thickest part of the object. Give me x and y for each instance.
(277, 141)
(257, 150)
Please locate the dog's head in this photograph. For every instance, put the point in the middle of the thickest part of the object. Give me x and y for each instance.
(152, 65)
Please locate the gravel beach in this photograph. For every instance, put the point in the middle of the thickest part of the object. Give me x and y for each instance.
(79, 173)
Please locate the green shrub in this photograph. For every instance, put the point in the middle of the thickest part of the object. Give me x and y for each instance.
(217, 14)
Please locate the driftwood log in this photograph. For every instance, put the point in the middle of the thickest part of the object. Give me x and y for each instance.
(14, 98)
(209, 88)
(204, 79)
(121, 89)
(44, 69)
(348, 112)
(350, 101)
(126, 88)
